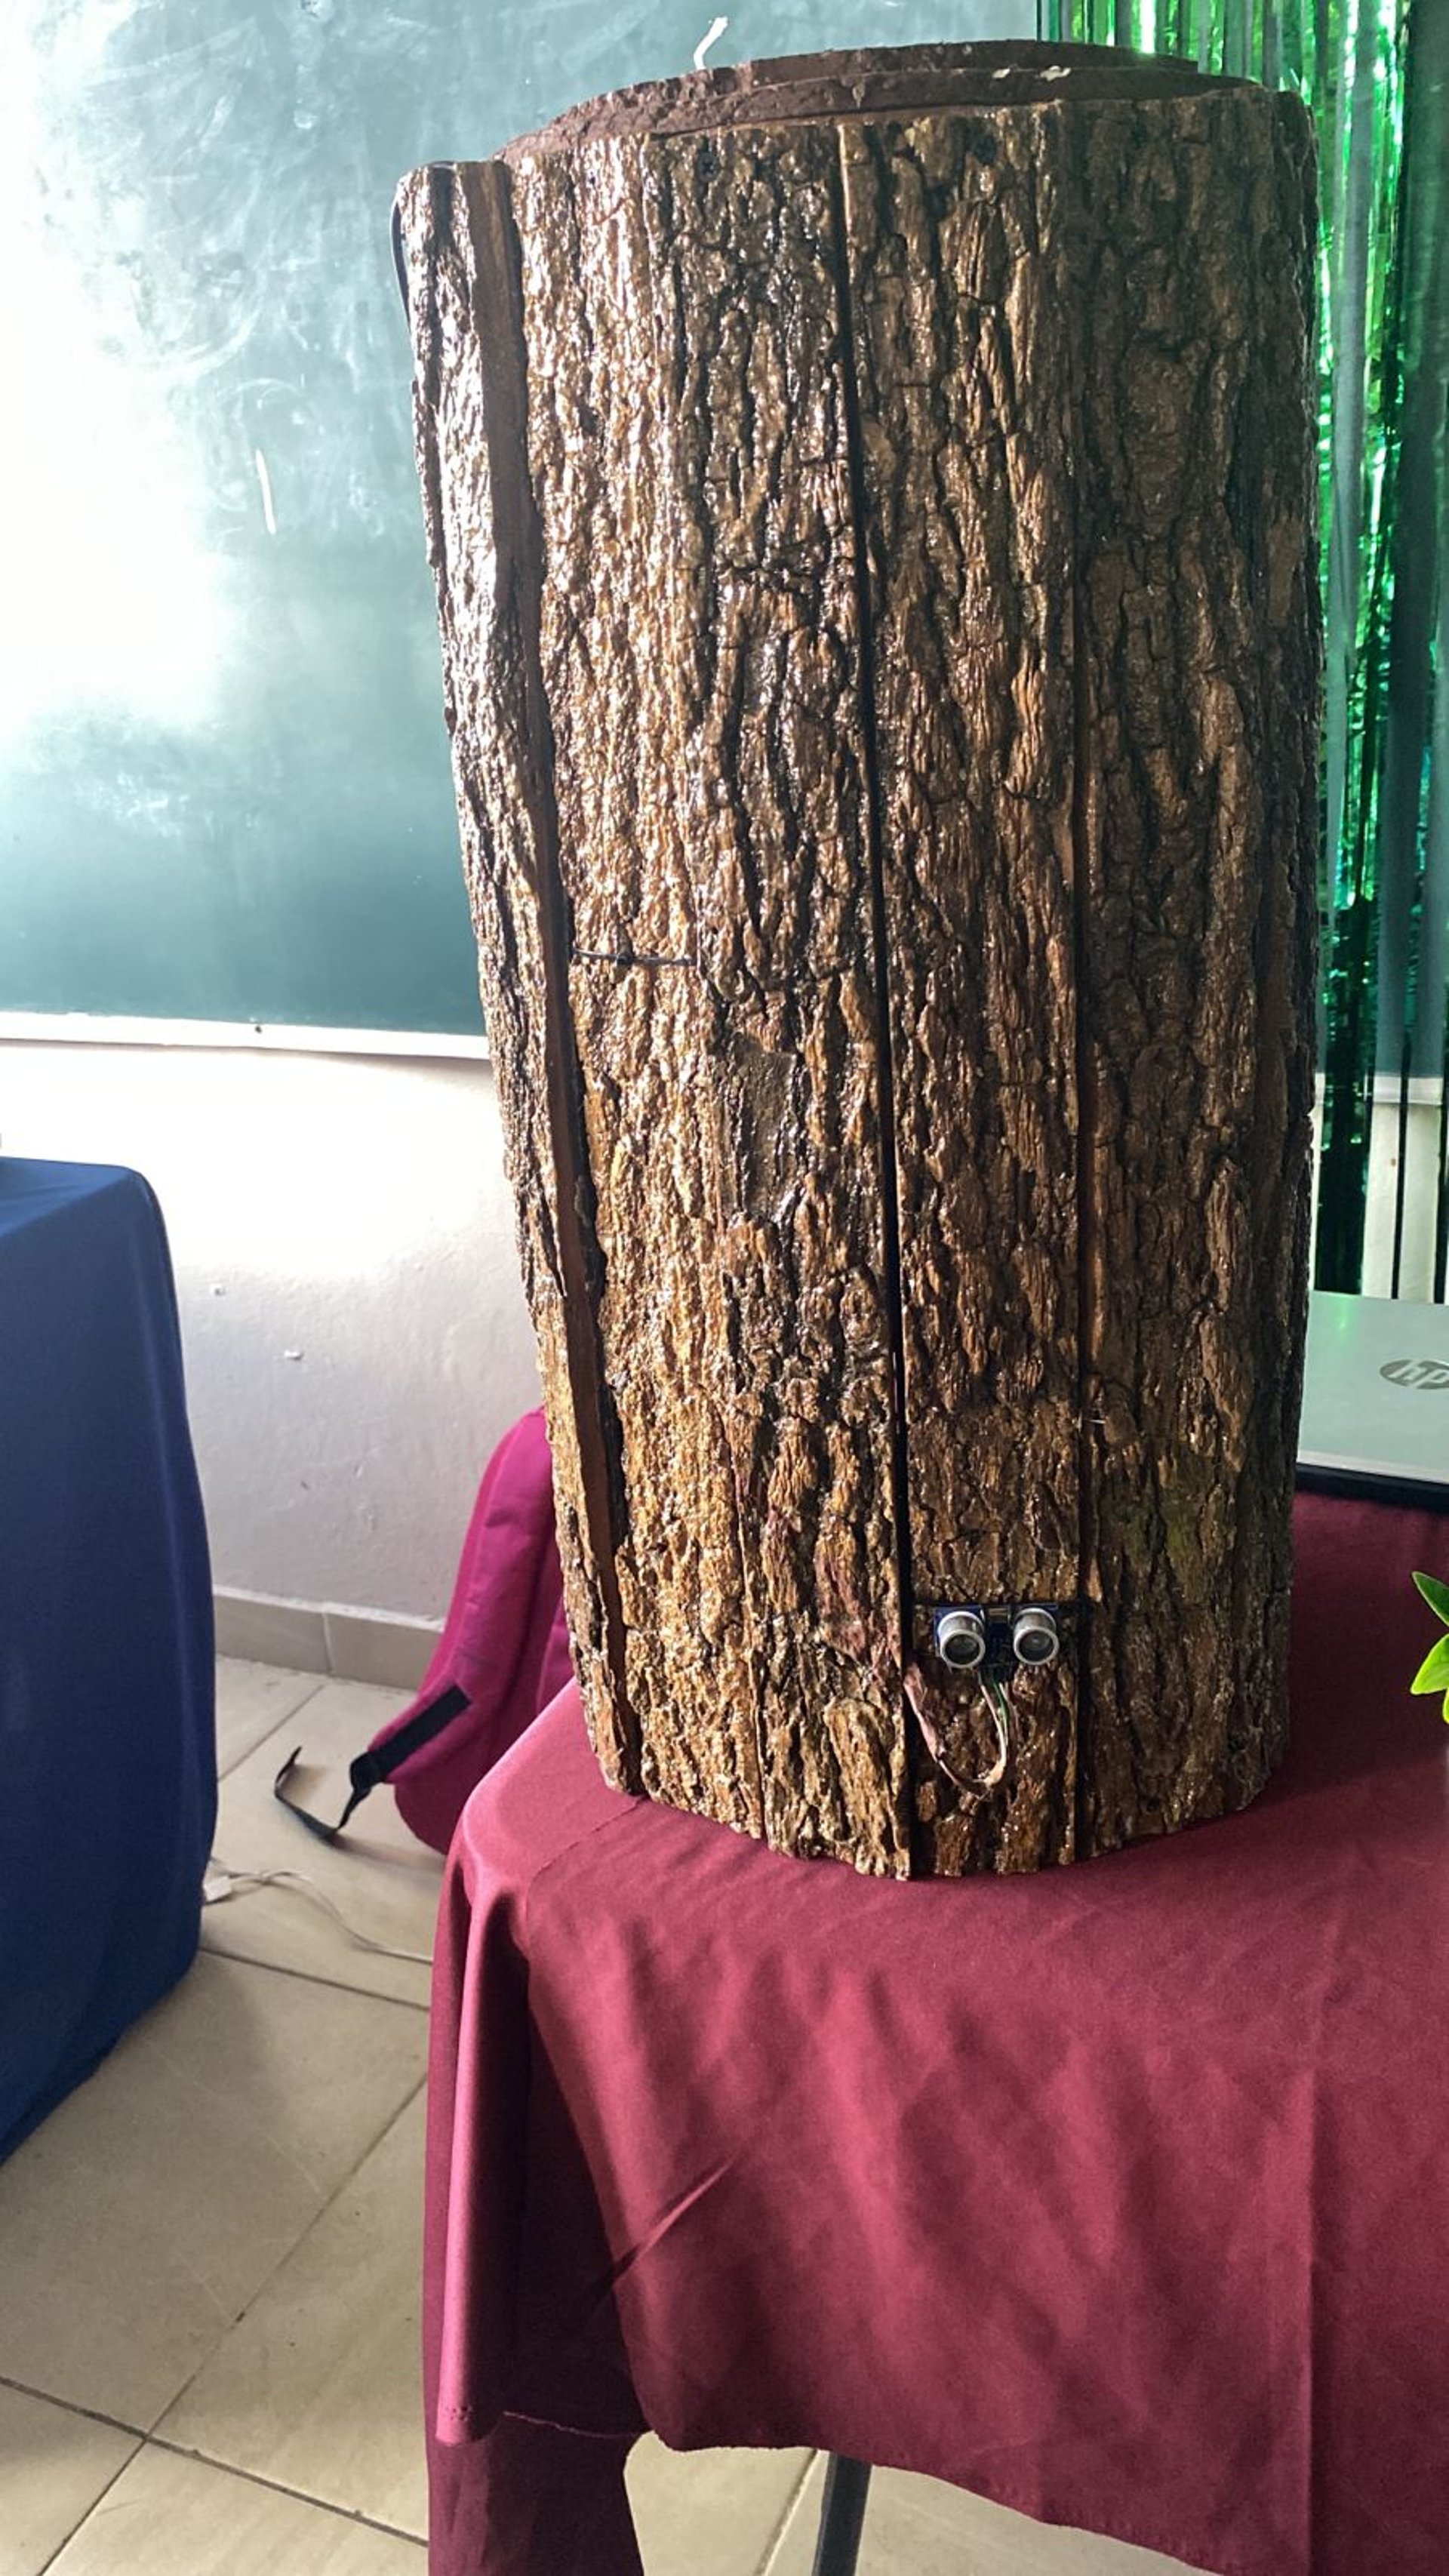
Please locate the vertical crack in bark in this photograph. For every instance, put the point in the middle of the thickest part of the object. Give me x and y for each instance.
(519, 540)
(875, 852)
(1088, 1215)
(667, 364)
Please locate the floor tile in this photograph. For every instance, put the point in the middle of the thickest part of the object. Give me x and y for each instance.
(918, 2527)
(53, 2466)
(318, 2388)
(170, 2517)
(710, 2513)
(250, 1700)
(383, 1880)
(147, 2211)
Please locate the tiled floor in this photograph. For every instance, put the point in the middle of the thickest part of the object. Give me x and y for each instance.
(209, 2255)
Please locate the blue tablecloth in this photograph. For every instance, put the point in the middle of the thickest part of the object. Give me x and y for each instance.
(107, 1719)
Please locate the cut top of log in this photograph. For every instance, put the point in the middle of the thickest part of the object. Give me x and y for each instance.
(883, 80)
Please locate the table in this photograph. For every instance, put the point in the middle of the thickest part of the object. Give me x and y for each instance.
(1119, 2195)
(107, 1677)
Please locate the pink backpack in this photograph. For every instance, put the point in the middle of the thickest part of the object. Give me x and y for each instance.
(502, 1656)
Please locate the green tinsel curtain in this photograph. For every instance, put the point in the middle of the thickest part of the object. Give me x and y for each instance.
(1375, 74)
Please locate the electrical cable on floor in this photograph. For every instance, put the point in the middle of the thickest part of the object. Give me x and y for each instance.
(221, 1882)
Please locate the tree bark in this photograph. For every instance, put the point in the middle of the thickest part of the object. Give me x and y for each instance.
(870, 501)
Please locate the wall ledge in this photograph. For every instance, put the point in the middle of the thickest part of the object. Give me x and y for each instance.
(86, 1028)
(377, 1646)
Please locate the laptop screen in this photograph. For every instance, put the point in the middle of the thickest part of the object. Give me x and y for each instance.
(1376, 1395)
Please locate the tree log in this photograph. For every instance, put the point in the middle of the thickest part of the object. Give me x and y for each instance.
(871, 505)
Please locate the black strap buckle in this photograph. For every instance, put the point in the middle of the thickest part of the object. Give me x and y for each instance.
(374, 1764)
(363, 1775)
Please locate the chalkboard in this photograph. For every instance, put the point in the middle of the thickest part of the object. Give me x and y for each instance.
(224, 782)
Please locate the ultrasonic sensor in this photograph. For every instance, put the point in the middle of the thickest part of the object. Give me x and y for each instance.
(1034, 1638)
(961, 1639)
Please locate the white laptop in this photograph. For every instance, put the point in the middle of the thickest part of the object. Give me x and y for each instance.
(1376, 1398)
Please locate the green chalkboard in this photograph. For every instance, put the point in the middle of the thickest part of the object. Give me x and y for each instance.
(224, 783)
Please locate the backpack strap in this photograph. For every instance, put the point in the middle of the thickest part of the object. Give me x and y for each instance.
(375, 1763)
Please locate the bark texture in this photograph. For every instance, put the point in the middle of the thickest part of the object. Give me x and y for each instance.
(869, 500)
(1197, 678)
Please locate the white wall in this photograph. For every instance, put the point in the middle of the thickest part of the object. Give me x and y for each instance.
(356, 1338)
(1416, 1261)
(352, 1211)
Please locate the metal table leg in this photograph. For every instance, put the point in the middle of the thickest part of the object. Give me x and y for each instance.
(841, 2517)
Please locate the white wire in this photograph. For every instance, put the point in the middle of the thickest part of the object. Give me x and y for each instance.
(221, 1882)
(710, 37)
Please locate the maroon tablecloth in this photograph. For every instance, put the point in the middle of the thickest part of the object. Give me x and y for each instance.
(1120, 2195)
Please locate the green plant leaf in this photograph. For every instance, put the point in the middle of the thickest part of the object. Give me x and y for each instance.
(1433, 1673)
(1435, 1593)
